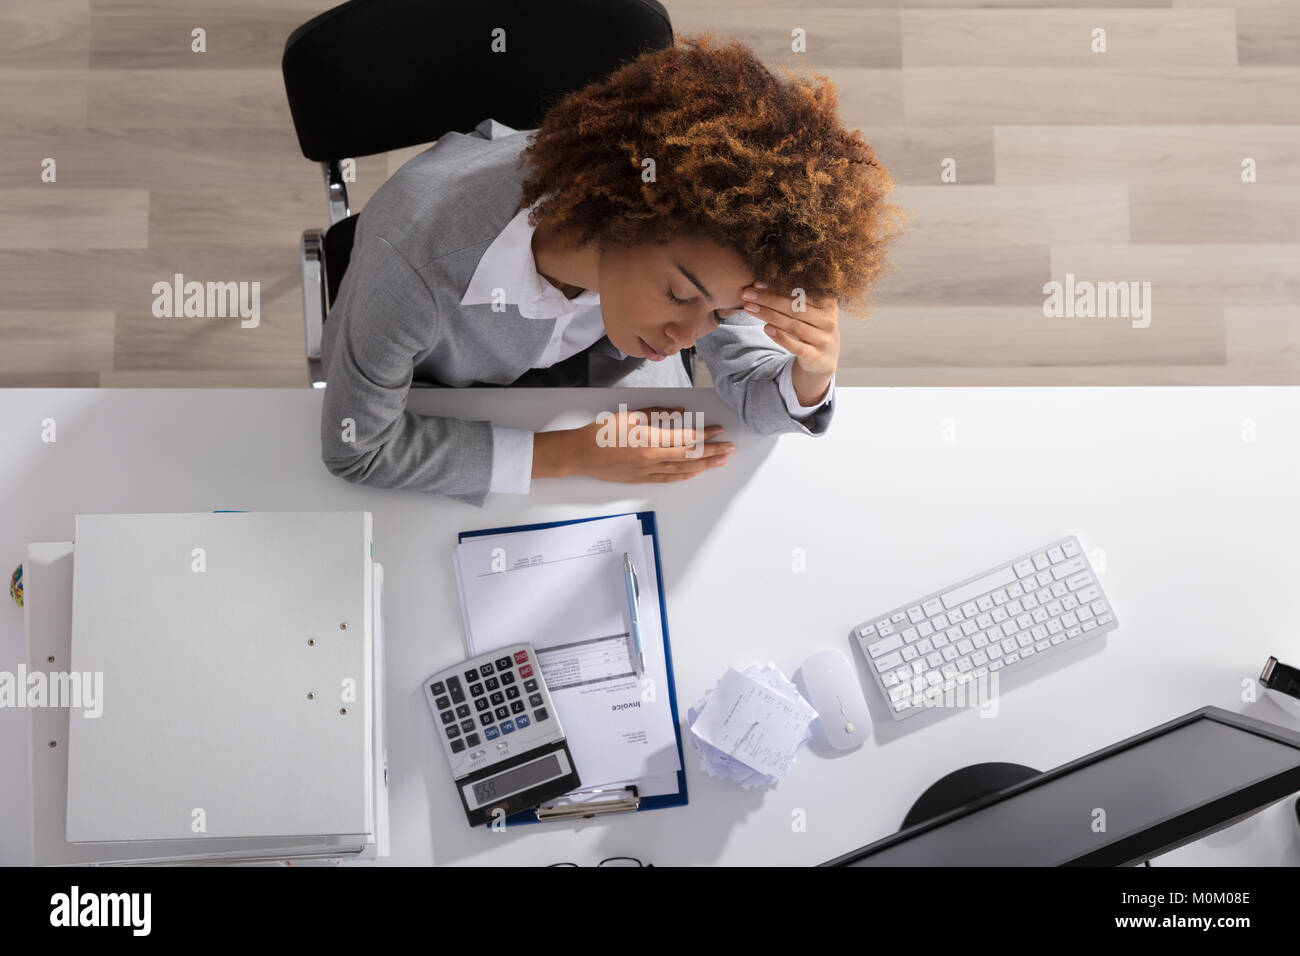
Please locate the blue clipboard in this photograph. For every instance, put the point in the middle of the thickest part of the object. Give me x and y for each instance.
(648, 526)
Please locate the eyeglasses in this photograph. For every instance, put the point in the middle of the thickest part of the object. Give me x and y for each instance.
(612, 861)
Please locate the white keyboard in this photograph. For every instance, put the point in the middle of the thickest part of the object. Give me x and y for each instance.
(1021, 610)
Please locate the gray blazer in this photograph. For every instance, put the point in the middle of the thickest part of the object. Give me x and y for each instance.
(398, 318)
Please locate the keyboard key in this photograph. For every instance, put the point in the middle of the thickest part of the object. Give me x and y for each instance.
(526, 670)
(1044, 578)
(1073, 566)
(503, 663)
(503, 713)
(1040, 560)
(889, 661)
(934, 659)
(522, 721)
(457, 746)
(990, 582)
(521, 657)
(473, 740)
(925, 629)
(481, 704)
(512, 693)
(540, 714)
(890, 679)
(471, 675)
(984, 603)
(1099, 608)
(1089, 625)
(437, 687)
(1025, 639)
(447, 717)
(442, 703)
(964, 664)
(1070, 548)
(898, 617)
(1078, 581)
(1010, 644)
(949, 653)
(462, 710)
(910, 635)
(467, 725)
(1073, 632)
(497, 698)
(1027, 652)
(486, 669)
(491, 733)
(924, 647)
(530, 685)
(517, 707)
(507, 726)
(486, 718)
(491, 683)
(1024, 568)
(507, 678)
(535, 700)
(1059, 639)
(452, 731)
(915, 615)
(1055, 555)
(475, 690)
(994, 651)
(910, 653)
(1104, 619)
(932, 607)
(1042, 645)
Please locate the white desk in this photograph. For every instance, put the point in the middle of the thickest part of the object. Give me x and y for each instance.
(1198, 527)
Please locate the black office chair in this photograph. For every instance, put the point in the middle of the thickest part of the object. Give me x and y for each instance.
(375, 75)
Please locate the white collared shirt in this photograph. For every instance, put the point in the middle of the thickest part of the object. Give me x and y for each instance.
(508, 265)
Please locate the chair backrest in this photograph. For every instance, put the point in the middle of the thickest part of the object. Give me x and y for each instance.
(373, 75)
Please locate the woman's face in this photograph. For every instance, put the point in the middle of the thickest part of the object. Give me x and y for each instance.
(659, 299)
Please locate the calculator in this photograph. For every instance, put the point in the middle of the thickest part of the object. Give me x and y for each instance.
(498, 727)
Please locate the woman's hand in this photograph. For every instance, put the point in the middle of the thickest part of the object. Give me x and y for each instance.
(651, 453)
(808, 330)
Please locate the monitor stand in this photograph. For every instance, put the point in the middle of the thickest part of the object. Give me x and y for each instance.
(965, 786)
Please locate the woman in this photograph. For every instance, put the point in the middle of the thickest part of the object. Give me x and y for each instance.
(690, 197)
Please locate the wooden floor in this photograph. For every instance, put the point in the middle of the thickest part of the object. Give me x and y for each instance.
(1122, 166)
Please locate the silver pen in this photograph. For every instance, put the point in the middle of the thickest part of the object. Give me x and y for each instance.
(633, 611)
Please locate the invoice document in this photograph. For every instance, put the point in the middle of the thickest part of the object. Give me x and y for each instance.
(562, 588)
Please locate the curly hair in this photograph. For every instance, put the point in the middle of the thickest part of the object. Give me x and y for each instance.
(758, 164)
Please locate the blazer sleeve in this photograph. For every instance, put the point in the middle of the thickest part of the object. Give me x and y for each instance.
(388, 318)
(746, 366)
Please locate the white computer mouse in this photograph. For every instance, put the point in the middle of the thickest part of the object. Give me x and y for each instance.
(836, 695)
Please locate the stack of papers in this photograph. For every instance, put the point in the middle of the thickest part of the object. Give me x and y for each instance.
(562, 588)
(749, 726)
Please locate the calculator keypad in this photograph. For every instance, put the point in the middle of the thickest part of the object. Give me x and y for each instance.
(494, 690)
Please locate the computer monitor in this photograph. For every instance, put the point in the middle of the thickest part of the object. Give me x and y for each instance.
(1151, 793)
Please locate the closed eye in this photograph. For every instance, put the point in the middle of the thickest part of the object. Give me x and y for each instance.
(717, 319)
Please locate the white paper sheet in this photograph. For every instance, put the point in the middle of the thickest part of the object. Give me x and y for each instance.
(753, 724)
(562, 589)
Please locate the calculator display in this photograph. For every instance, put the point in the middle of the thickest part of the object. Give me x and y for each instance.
(520, 778)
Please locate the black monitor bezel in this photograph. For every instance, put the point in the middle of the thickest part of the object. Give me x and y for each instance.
(1181, 828)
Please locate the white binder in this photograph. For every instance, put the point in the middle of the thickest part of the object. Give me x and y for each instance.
(242, 660)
